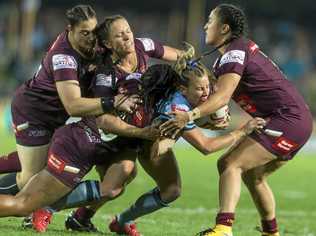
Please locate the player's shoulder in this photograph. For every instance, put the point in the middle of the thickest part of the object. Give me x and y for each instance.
(61, 55)
(146, 44)
(179, 103)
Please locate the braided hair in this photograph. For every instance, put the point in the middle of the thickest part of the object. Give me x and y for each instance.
(79, 13)
(234, 17)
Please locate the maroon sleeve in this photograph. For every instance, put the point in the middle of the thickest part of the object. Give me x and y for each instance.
(233, 61)
(103, 85)
(64, 67)
(151, 47)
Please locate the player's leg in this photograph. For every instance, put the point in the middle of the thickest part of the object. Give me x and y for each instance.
(164, 170)
(262, 195)
(33, 159)
(42, 190)
(247, 155)
(115, 176)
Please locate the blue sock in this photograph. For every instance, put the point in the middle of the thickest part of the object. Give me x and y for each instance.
(8, 184)
(86, 192)
(145, 204)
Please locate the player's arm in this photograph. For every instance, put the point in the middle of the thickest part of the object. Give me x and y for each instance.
(207, 145)
(75, 105)
(226, 85)
(113, 124)
(171, 54)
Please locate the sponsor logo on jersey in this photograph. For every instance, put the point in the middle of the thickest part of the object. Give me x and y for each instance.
(63, 61)
(136, 76)
(179, 107)
(233, 56)
(284, 145)
(148, 44)
(103, 80)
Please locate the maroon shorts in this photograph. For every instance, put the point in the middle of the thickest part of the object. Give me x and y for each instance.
(75, 150)
(33, 124)
(296, 129)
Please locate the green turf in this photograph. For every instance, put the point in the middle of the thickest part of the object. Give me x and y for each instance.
(293, 185)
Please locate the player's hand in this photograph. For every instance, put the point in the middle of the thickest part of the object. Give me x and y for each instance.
(189, 51)
(173, 126)
(151, 132)
(254, 124)
(183, 58)
(126, 103)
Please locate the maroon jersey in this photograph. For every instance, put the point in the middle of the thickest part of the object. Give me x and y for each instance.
(105, 84)
(264, 91)
(82, 145)
(263, 88)
(60, 63)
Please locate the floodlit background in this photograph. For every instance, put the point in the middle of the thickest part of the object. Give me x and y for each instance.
(285, 30)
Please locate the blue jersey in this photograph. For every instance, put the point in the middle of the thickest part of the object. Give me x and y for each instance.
(175, 102)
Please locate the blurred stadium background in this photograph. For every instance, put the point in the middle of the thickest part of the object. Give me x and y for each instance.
(285, 30)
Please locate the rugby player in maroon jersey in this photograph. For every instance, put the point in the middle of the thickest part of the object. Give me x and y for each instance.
(56, 92)
(257, 85)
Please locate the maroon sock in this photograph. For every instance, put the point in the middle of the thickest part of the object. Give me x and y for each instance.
(10, 163)
(269, 226)
(225, 218)
(84, 213)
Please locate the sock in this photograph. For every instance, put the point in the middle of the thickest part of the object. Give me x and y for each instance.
(269, 226)
(145, 204)
(10, 163)
(225, 218)
(83, 213)
(85, 193)
(8, 184)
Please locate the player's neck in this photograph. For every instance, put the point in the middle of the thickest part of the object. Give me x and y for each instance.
(223, 48)
(127, 63)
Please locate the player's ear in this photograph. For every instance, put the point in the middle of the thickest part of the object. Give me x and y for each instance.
(182, 89)
(225, 29)
(69, 27)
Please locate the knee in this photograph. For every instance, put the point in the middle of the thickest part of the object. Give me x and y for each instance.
(131, 174)
(171, 193)
(23, 177)
(251, 180)
(111, 194)
(222, 165)
(22, 208)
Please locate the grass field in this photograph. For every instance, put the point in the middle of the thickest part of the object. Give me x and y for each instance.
(293, 185)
